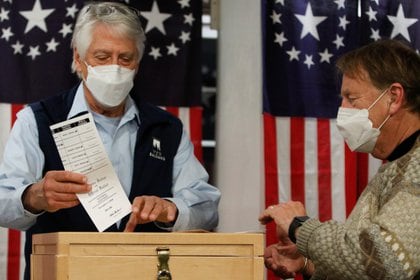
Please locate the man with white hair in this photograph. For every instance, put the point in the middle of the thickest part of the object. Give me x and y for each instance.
(168, 193)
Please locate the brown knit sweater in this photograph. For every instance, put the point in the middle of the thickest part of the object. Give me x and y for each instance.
(381, 237)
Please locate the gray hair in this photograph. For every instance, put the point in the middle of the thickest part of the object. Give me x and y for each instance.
(120, 17)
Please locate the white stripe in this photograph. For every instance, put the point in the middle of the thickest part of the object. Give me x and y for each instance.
(338, 184)
(184, 116)
(283, 158)
(311, 167)
(4, 240)
(208, 143)
(373, 166)
(22, 254)
(5, 122)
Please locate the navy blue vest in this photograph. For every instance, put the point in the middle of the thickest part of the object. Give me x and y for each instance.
(152, 175)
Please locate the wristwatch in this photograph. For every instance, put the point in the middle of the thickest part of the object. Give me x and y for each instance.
(297, 222)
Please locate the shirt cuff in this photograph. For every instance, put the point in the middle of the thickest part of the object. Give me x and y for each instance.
(305, 232)
(183, 219)
(26, 212)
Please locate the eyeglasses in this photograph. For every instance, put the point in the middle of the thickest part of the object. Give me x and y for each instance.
(102, 9)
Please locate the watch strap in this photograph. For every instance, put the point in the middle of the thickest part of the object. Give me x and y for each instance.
(296, 222)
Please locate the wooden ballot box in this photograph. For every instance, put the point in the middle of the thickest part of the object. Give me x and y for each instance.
(78, 256)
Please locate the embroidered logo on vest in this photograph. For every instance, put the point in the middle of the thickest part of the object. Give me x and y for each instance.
(156, 150)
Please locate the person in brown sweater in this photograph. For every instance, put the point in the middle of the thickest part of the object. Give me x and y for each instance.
(380, 115)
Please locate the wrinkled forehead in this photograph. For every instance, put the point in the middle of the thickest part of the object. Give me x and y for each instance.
(357, 72)
(108, 37)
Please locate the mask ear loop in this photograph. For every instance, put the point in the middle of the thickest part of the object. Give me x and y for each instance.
(379, 98)
(382, 124)
(87, 67)
(387, 118)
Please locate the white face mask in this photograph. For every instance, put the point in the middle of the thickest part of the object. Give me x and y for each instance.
(109, 84)
(356, 128)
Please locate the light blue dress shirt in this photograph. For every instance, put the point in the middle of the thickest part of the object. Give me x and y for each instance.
(23, 162)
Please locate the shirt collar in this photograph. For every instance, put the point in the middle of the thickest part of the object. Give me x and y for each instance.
(80, 105)
(404, 147)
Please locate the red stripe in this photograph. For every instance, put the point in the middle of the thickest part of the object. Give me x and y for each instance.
(271, 177)
(271, 170)
(13, 251)
(195, 128)
(196, 131)
(270, 161)
(297, 158)
(350, 181)
(13, 255)
(173, 110)
(15, 108)
(324, 170)
(362, 172)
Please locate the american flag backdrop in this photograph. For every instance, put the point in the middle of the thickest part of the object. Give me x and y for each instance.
(35, 54)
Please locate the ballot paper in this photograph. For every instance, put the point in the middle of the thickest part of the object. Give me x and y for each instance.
(81, 150)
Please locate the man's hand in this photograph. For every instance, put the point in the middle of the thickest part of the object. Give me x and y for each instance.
(150, 209)
(57, 190)
(282, 214)
(284, 260)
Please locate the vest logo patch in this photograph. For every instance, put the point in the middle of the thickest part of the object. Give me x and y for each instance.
(156, 150)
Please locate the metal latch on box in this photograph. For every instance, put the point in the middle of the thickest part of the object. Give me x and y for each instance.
(163, 267)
